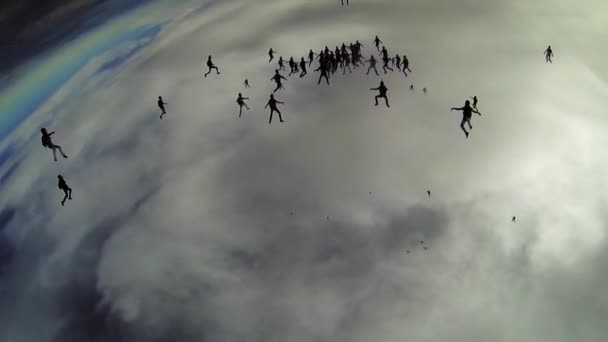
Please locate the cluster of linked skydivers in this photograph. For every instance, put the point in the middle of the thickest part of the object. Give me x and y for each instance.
(329, 62)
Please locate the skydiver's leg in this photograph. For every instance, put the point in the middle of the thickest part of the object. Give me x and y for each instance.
(319, 81)
(270, 119)
(61, 151)
(386, 100)
(327, 79)
(376, 71)
(65, 197)
(464, 129)
(240, 110)
(277, 88)
(208, 72)
(217, 70)
(368, 70)
(54, 148)
(246, 106)
(469, 122)
(376, 98)
(280, 116)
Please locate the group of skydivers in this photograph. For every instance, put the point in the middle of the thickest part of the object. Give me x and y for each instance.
(329, 62)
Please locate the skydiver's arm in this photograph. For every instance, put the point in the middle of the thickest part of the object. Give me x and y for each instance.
(279, 102)
(245, 98)
(476, 112)
(374, 88)
(284, 78)
(455, 108)
(53, 132)
(267, 104)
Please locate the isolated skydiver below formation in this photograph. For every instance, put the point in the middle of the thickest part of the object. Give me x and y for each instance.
(63, 186)
(382, 89)
(48, 143)
(548, 54)
(246, 83)
(272, 102)
(161, 105)
(467, 111)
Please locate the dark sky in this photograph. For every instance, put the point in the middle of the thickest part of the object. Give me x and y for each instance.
(30, 27)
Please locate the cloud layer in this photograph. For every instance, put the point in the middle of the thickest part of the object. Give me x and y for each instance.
(206, 227)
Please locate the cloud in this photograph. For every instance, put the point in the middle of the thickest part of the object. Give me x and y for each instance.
(206, 227)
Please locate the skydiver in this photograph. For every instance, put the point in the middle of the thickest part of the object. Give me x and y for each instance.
(240, 100)
(62, 185)
(324, 68)
(377, 42)
(272, 102)
(346, 64)
(424, 90)
(281, 65)
(382, 93)
(372, 65)
(548, 54)
(385, 61)
(466, 116)
(311, 57)
(277, 79)
(303, 67)
(428, 192)
(411, 87)
(343, 2)
(246, 83)
(474, 98)
(271, 54)
(211, 66)
(406, 65)
(513, 219)
(48, 143)
(397, 60)
(161, 105)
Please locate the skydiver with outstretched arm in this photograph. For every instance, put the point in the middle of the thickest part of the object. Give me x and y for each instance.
(382, 89)
(48, 143)
(467, 111)
(277, 78)
(240, 100)
(372, 65)
(272, 102)
(211, 66)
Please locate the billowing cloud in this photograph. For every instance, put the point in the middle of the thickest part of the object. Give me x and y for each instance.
(207, 227)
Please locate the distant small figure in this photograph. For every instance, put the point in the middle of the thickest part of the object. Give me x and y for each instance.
(382, 89)
(271, 54)
(311, 57)
(474, 98)
(62, 185)
(411, 87)
(246, 83)
(513, 219)
(281, 63)
(161, 105)
(428, 192)
(421, 242)
(377, 42)
(211, 66)
(548, 54)
(303, 67)
(241, 102)
(466, 116)
(424, 90)
(343, 2)
(405, 65)
(272, 102)
(425, 248)
(48, 143)
(407, 252)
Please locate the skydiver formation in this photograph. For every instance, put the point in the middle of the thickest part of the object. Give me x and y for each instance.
(342, 57)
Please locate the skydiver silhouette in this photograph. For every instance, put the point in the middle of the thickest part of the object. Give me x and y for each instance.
(277, 79)
(161, 105)
(246, 83)
(513, 219)
(281, 65)
(428, 192)
(211, 66)
(411, 87)
(62, 185)
(424, 90)
(240, 100)
(474, 98)
(303, 67)
(343, 2)
(271, 54)
(372, 65)
(347, 63)
(397, 60)
(548, 54)
(467, 111)
(293, 66)
(406, 65)
(324, 68)
(311, 57)
(377, 42)
(48, 143)
(272, 102)
(382, 89)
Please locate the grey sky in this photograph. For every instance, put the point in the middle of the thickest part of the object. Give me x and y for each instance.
(184, 225)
